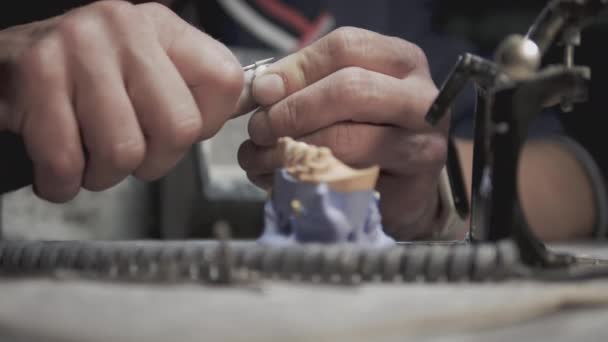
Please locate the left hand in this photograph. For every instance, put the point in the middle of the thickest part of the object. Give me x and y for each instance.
(363, 95)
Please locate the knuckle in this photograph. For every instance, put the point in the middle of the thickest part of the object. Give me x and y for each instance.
(40, 60)
(417, 56)
(342, 140)
(225, 82)
(422, 99)
(78, 30)
(355, 87)
(65, 166)
(155, 14)
(225, 74)
(407, 56)
(344, 41)
(427, 99)
(232, 78)
(84, 25)
(436, 149)
(125, 156)
(288, 120)
(35, 57)
(427, 151)
(180, 135)
(154, 8)
(115, 11)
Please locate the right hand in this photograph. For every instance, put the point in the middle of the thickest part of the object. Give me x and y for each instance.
(109, 90)
(364, 96)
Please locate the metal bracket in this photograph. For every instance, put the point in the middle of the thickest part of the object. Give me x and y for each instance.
(511, 91)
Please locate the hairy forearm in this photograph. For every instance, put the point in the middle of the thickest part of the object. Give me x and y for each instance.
(556, 194)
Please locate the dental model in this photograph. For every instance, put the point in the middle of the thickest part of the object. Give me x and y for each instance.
(317, 198)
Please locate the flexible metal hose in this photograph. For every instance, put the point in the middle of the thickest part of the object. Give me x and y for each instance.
(225, 262)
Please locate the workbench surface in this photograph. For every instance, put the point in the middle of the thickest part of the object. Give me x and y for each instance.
(81, 310)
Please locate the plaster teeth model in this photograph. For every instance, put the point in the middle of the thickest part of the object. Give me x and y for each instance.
(317, 199)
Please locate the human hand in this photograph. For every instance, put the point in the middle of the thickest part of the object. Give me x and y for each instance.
(363, 95)
(109, 90)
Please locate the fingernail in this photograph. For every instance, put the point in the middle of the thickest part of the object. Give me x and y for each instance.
(268, 89)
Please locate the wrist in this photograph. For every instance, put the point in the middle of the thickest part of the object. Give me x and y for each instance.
(418, 222)
(430, 223)
(440, 216)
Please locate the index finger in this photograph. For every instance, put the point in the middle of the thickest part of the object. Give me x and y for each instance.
(344, 47)
(211, 72)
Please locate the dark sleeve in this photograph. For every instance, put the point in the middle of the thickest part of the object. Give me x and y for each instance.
(26, 11)
(15, 166)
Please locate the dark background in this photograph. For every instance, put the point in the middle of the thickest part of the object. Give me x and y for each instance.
(486, 23)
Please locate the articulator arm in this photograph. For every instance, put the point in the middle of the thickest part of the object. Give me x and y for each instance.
(512, 90)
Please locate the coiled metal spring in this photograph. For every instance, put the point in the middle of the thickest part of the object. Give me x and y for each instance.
(236, 261)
